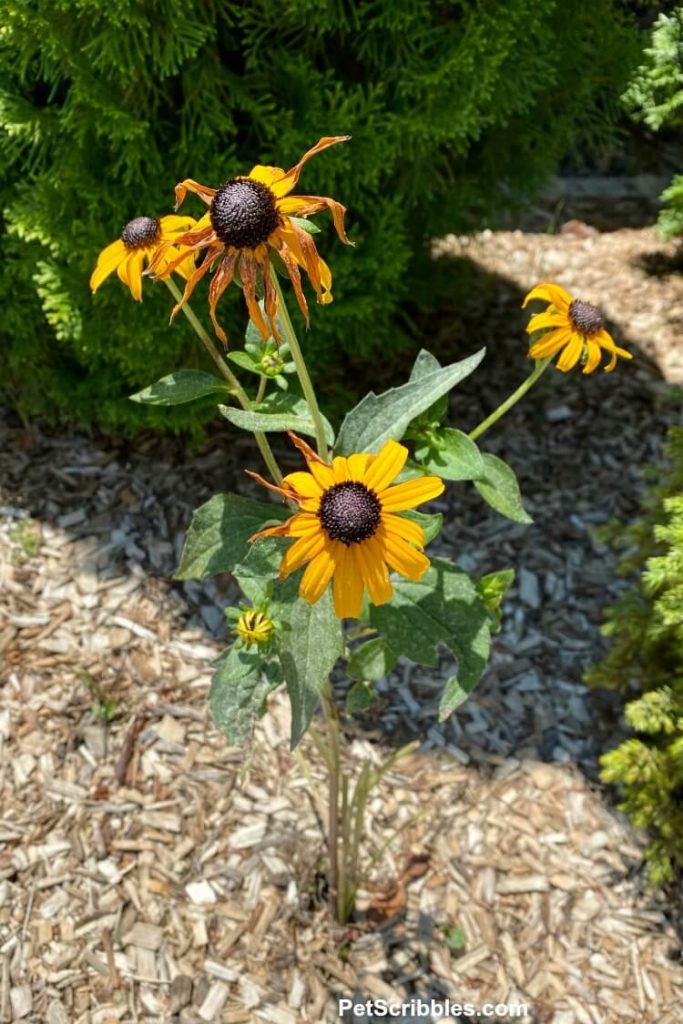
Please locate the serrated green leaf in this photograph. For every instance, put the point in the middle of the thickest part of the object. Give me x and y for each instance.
(500, 489)
(180, 387)
(454, 456)
(239, 688)
(372, 660)
(218, 537)
(309, 645)
(431, 523)
(279, 412)
(444, 607)
(377, 418)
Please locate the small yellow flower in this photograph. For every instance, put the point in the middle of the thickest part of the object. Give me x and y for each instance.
(139, 241)
(254, 628)
(248, 217)
(348, 528)
(576, 327)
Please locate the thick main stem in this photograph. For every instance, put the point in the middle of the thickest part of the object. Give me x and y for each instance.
(224, 369)
(301, 368)
(538, 369)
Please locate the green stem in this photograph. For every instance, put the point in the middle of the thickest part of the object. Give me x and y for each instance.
(301, 368)
(224, 369)
(538, 369)
(332, 720)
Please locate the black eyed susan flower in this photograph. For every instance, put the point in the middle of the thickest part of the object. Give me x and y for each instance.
(139, 241)
(348, 528)
(576, 329)
(254, 628)
(248, 217)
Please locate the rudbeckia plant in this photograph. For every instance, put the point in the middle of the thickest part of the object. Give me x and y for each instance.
(334, 560)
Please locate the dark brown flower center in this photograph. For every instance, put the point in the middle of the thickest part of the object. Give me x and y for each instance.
(586, 318)
(243, 213)
(141, 232)
(350, 512)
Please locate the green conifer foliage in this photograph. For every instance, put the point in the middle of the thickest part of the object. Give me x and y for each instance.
(655, 96)
(646, 658)
(104, 106)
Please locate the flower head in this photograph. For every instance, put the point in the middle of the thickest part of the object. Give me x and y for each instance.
(137, 244)
(254, 628)
(348, 528)
(577, 328)
(248, 218)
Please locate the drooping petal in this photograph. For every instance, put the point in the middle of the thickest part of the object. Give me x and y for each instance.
(375, 574)
(549, 292)
(305, 206)
(411, 493)
(107, 263)
(205, 193)
(386, 467)
(302, 248)
(317, 575)
(593, 358)
(219, 282)
(348, 588)
(402, 556)
(248, 272)
(302, 550)
(289, 180)
(398, 526)
(570, 354)
(135, 275)
(550, 343)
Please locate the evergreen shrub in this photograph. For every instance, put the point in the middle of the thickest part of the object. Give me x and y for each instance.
(454, 107)
(645, 662)
(655, 96)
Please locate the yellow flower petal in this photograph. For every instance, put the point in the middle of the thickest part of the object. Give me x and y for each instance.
(570, 354)
(386, 467)
(541, 320)
(302, 550)
(370, 559)
(340, 469)
(174, 224)
(303, 524)
(266, 175)
(323, 474)
(549, 344)
(304, 484)
(317, 575)
(358, 465)
(594, 356)
(411, 493)
(402, 557)
(347, 592)
(107, 263)
(553, 293)
(397, 526)
(289, 180)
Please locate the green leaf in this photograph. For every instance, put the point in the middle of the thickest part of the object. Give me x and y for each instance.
(377, 418)
(424, 364)
(453, 457)
(309, 645)
(431, 523)
(306, 225)
(180, 387)
(444, 607)
(239, 688)
(279, 412)
(500, 489)
(493, 589)
(372, 660)
(218, 537)
(360, 698)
